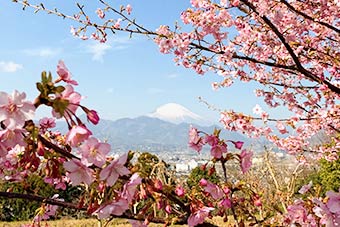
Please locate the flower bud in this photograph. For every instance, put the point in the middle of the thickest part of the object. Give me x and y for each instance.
(168, 209)
(238, 144)
(179, 191)
(158, 185)
(92, 116)
(203, 182)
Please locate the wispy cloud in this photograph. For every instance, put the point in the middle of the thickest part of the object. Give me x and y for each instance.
(98, 50)
(43, 52)
(9, 66)
(154, 91)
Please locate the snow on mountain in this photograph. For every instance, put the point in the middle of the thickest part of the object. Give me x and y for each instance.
(175, 113)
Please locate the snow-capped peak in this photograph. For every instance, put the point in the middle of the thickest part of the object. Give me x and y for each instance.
(175, 113)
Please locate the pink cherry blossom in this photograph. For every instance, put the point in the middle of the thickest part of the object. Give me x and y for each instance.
(280, 126)
(195, 141)
(179, 191)
(305, 188)
(114, 208)
(130, 187)
(11, 138)
(322, 211)
(48, 210)
(64, 74)
(78, 172)
(297, 213)
(333, 202)
(100, 13)
(217, 150)
(94, 152)
(226, 203)
(215, 191)
(246, 160)
(212, 140)
(114, 170)
(128, 9)
(73, 99)
(46, 123)
(14, 154)
(199, 216)
(77, 135)
(14, 110)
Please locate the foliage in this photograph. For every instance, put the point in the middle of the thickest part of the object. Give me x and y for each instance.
(325, 177)
(22, 209)
(208, 173)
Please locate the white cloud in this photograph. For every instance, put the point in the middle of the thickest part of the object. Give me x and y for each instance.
(9, 67)
(98, 50)
(43, 52)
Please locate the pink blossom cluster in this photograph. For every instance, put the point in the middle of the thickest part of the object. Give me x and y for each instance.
(322, 213)
(218, 148)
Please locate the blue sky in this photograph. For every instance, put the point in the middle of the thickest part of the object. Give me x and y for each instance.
(122, 78)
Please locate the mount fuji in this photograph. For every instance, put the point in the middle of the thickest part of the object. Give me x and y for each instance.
(177, 114)
(166, 128)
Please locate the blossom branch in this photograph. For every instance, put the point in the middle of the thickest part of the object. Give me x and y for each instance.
(309, 17)
(295, 58)
(56, 148)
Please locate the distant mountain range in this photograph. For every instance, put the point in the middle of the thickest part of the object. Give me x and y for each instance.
(165, 129)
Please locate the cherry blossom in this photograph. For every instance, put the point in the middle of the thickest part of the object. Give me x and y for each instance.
(179, 191)
(195, 141)
(116, 168)
(94, 152)
(333, 203)
(198, 216)
(114, 208)
(14, 110)
(215, 191)
(246, 160)
(130, 187)
(305, 188)
(100, 13)
(64, 73)
(78, 172)
(128, 9)
(73, 98)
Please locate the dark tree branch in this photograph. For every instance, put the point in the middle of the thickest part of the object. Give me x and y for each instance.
(11, 195)
(56, 148)
(295, 58)
(309, 17)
